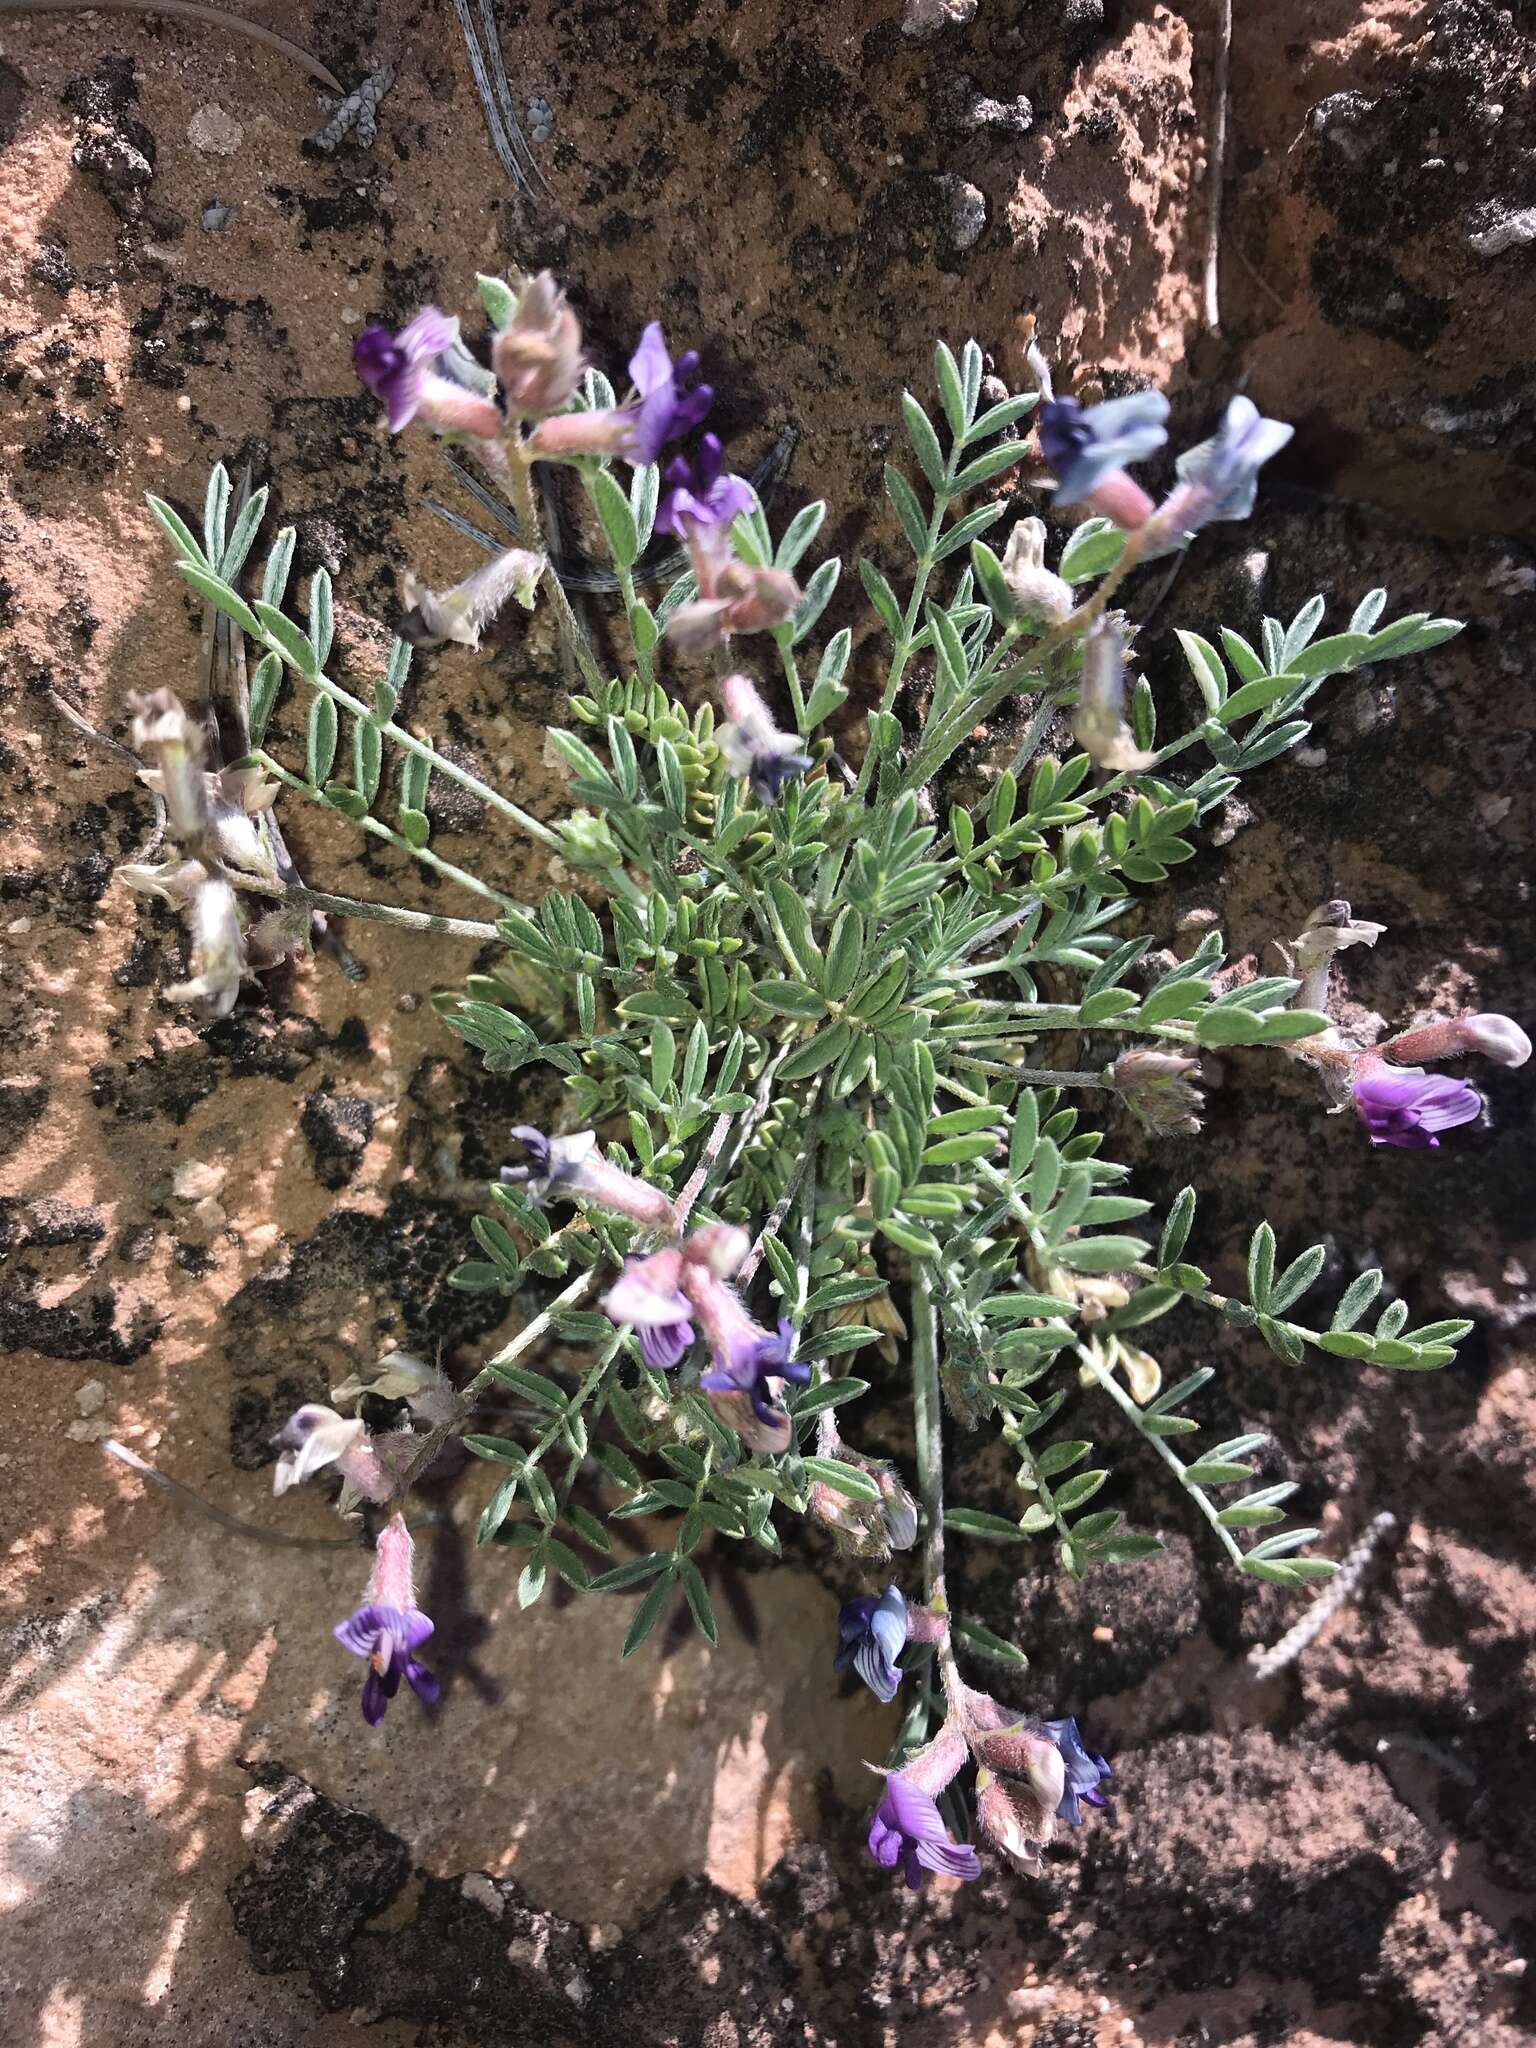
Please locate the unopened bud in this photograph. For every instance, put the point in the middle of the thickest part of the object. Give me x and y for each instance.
(462, 613)
(938, 1762)
(1014, 1822)
(857, 1526)
(1497, 1038)
(1098, 723)
(537, 356)
(173, 881)
(1155, 1088)
(218, 951)
(1025, 1752)
(1035, 589)
(163, 735)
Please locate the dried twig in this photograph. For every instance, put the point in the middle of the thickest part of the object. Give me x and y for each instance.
(253, 1532)
(1216, 170)
(186, 10)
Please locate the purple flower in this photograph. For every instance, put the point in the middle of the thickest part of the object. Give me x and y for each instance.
(665, 410)
(1408, 1107)
(747, 1356)
(1083, 1769)
(1226, 468)
(699, 494)
(574, 1166)
(752, 745)
(402, 371)
(387, 1636)
(646, 1296)
(908, 1831)
(389, 1627)
(873, 1635)
(1086, 447)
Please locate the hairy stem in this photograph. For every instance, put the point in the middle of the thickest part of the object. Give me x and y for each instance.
(389, 913)
(377, 829)
(937, 747)
(928, 1421)
(903, 648)
(1107, 1382)
(792, 678)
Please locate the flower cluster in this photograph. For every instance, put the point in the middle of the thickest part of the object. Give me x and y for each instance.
(815, 1022)
(1029, 1774)
(1089, 448)
(528, 407)
(684, 1291)
(217, 822)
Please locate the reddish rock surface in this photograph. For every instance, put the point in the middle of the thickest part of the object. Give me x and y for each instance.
(198, 1840)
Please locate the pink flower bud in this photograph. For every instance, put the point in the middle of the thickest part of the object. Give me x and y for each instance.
(720, 1247)
(933, 1766)
(604, 432)
(449, 408)
(393, 1581)
(1497, 1038)
(537, 356)
(1014, 1821)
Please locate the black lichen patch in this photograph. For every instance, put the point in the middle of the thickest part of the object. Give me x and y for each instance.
(402, 1258)
(1361, 290)
(171, 1084)
(332, 1871)
(337, 1129)
(475, 1956)
(47, 1221)
(84, 1327)
(72, 441)
(22, 1105)
(14, 94)
(255, 1417)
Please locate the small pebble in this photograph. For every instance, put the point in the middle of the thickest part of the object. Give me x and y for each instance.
(965, 209)
(217, 216)
(541, 119)
(215, 132)
(197, 1179)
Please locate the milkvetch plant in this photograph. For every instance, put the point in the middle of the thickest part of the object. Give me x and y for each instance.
(815, 1135)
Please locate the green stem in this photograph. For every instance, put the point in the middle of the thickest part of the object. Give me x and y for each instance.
(1035, 1077)
(389, 913)
(409, 744)
(1029, 746)
(570, 1296)
(936, 750)
(377, 829)
(792, 678)
(928, 1422)
(903, 648)
(1107, 1382)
